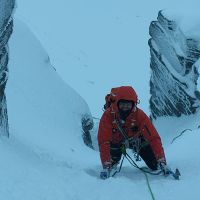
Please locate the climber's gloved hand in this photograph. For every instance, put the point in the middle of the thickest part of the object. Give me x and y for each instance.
(105, 173)
(163, 166)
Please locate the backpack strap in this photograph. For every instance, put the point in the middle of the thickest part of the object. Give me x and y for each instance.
(113, 114)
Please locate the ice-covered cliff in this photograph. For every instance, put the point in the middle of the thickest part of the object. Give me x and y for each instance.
(174, 66)
(6, 25)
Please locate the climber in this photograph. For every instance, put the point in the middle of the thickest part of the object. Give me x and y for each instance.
(141, 136)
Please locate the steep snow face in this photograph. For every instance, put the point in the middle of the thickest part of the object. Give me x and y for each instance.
(44, 113)
(97, 45)
(94, 45)
(45, 157)
(174, 65)
(6, 25)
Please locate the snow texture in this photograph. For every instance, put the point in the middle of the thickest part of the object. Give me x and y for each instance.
(6, 26)
(45, 157)
(42, 109)
(174, 65)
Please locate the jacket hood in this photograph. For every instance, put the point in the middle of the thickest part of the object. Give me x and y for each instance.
(123, 92)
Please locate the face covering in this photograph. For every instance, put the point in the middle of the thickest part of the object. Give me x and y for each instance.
(125, 110)
(124, 114)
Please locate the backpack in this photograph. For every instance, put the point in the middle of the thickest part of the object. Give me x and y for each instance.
(107, 102)
(110, 98)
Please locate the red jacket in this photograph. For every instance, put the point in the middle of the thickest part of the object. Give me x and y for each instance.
(137, 118)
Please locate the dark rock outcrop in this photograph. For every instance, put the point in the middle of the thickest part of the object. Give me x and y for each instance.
(174, 69)
(6, 26)
(87, 126)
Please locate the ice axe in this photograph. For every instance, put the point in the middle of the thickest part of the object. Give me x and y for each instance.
(175, 174)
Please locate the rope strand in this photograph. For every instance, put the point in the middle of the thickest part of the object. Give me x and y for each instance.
(132, 162)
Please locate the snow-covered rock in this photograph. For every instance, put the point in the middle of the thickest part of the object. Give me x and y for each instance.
(6, 26)
(174, 64)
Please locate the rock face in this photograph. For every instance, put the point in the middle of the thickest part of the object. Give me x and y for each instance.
(6, 26)
(87, 126)
(174, 69)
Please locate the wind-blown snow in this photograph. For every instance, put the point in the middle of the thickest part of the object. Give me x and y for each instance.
(188, 20)
(45, 157)
(97, 45)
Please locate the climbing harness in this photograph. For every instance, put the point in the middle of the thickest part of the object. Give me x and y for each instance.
(137, 145)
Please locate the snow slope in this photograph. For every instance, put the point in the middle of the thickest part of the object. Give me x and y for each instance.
(43, 111)
(45, 157)
(38, 162)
